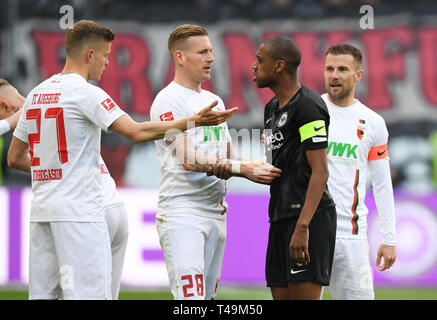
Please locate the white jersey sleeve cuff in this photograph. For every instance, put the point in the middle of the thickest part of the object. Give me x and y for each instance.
(4, 127)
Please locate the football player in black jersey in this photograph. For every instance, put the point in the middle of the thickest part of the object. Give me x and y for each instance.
(301, 211)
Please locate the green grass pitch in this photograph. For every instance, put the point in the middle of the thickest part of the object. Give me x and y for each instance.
(241, 293)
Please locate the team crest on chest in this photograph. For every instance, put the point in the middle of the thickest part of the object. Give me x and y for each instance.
(283, 119)
(362, 130)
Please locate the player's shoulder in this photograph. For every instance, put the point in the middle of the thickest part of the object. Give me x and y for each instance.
(75, 85)
(210, 96)
(373, 117)
(310, 102)
(166, 96)
(310, 96)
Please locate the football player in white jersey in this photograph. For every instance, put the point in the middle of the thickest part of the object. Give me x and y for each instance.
(115, 212)
(61, 122)
(191, 216)
(357, 146)
(10, 107)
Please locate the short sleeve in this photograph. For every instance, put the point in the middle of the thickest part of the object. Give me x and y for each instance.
(312, 121)
(98, 106)
(20, 131)
(4, 127)
(166, 108)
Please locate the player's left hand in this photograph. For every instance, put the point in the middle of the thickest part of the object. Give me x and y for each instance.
(299, 245)
(209, 117)
(389, 254)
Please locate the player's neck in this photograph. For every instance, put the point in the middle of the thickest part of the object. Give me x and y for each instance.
(286, 91)
(72, 67)
(187, 82)
(345, 102)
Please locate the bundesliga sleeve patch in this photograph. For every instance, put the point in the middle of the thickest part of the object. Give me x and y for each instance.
(378, 152)
(108, 104)
(312, 129)
(168, 116)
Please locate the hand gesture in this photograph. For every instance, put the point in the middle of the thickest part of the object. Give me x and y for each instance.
(209, 117)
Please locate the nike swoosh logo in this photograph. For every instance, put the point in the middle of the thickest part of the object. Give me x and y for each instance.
(317, 129)
(381, 153)
(297, 271)
(269, 120)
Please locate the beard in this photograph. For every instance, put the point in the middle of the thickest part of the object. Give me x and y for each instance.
(340, 95)
(264, 83)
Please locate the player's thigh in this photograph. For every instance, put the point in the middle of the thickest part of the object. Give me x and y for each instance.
(183, 241)
(321, 244)
(43, 263)
(117, 222)
(351, 272)
(84, 257)
(277, 257)
(214, 252)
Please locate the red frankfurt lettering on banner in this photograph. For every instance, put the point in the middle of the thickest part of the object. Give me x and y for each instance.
(131, 75)
(384, 66)
(49, 45)
(241, 55)
(428, 63)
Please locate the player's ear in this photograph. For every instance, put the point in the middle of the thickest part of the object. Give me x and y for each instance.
(279, 66)
(178, 57)
(89, 55)
(5, 106)
(359, 75)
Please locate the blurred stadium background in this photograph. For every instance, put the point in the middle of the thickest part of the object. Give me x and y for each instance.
(400, 83)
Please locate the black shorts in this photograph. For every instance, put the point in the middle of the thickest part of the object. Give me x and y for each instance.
(279, 267)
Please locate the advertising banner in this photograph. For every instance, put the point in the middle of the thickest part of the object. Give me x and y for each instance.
(247, 235)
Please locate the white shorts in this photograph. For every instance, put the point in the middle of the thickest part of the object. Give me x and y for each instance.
(116, 219)
(351, 277)
(193, 249)
(69, 260)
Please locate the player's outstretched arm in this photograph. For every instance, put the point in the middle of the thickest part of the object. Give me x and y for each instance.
(257, 171)
(18, 155)
(154, 130)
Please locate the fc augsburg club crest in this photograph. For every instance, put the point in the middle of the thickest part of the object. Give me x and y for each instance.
(362, 130)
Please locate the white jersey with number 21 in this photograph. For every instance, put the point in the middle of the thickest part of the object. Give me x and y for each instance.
(61, 121)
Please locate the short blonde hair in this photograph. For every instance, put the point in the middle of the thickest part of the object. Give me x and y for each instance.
(182, 33)
(85, 31)
(4, 83)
